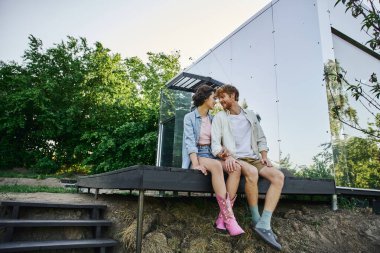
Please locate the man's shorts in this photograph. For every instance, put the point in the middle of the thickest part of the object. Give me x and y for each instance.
(255, 162)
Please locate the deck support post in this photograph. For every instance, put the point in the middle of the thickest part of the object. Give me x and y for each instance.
(140, 214)
(96, 193)
(334, 202)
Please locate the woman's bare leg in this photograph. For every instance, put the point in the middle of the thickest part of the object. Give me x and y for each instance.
(233, 180)
(217, 178)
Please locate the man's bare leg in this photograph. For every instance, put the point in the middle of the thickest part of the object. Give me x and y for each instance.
(276, 178)
(251, 178)
(263, 226)
(251, 189)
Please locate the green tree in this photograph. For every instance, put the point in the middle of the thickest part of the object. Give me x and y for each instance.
(355, 167)
(244, 104)
(80, 104)
(365, 93)
(322, 166)
(15, 117)
(342, 113)
(134, 139)
(357, 163)
(370, 18)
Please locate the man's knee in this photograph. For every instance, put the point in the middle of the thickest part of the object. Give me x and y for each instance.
(236, 172)
(251, 175)
(278, 179)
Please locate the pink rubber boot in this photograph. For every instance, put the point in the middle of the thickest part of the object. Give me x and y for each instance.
(230, 223)
(219, 223)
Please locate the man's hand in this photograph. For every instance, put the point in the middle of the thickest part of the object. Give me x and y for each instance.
(266, 161)
(201, 168)
(231, 164)
(224, 153)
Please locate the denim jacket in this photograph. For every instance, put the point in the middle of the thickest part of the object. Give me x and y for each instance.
(191, 131)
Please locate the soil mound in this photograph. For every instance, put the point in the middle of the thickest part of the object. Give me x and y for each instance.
(185, 224)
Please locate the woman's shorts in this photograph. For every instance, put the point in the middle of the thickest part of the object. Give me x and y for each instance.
(205, 151)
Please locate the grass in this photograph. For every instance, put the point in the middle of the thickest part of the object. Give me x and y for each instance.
(32, 189)
(26, 174)
(309, 198)
(352, 203)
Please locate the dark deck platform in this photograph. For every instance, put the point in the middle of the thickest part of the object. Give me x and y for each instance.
(143, 177)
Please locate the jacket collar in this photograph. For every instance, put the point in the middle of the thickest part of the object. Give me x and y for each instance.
(244, 111)
(198, 115)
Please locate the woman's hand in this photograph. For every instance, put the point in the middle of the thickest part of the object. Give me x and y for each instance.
(201, 168)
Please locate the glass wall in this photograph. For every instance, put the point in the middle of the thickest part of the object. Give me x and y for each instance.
(285, 69)
(174, 105)
(275, 60)
(354, 115)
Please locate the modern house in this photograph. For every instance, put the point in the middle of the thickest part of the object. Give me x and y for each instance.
(277, 59)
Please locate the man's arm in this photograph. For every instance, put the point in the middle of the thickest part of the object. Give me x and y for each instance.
(264, 158)
(261, 139)
(216, 135)
(262, 143)
(216, 145)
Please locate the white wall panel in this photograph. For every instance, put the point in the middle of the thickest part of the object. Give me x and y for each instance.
(246, 60)
(303, 111)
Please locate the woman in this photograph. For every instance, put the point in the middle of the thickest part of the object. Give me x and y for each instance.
(196, 151)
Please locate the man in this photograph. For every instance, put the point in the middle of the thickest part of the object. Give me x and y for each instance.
(240, 132)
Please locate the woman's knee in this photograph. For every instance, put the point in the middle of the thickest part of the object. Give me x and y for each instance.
(215, 168)
(238, 170)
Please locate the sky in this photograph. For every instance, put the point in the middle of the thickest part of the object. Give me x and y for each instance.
(128, 27)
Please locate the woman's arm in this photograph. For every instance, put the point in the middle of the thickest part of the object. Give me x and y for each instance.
(188, 131)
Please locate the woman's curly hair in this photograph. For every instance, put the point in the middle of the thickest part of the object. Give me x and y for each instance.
(202, 93)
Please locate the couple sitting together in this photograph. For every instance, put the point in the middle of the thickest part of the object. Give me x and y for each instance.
(233, 142)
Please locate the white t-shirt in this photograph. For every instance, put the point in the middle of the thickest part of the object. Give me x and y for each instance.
(241, 130)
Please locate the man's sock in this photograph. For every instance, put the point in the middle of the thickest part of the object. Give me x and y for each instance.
(264, 221)
(255, 214)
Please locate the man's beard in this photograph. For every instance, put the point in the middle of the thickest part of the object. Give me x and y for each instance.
(226, 105)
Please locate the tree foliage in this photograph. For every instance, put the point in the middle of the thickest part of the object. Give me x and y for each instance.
(356, 158)
(365, 92)
(357, 162)
(370, 18)
(80, 104)
(322, 166)
(342, 113)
